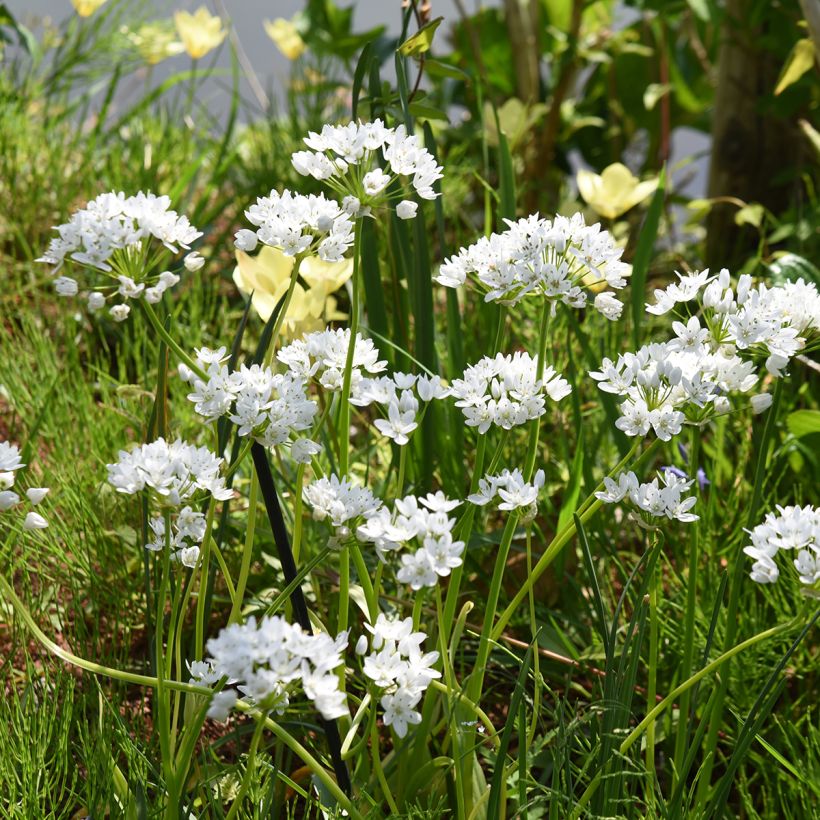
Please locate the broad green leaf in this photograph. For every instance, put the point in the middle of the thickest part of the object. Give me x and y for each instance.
(803, 422)
(421, 41)
(436, 68)
(799, 61)
(653, 93)
(751, 214)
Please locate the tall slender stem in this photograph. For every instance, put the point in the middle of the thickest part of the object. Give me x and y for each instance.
(247, 552)
(344, 403)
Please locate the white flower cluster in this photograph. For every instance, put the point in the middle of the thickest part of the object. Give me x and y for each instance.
(111, 234)
(298, 224)
(10, 463)
(665, 383)
(266, 405)
(188, 531)
(514, 492)
(323, 355)
(795, 528)
(398, 666)
(395, 393)
(776, 322)
(267, 659)
(662, 497)
(504, 391)
(556, 259)
(341, 503)
(175, 471)
(424, 521)
(348, 158)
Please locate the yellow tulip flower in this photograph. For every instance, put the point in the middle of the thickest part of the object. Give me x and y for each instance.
(200, 32)
(267, 277)
(155, 41)
(85, 8)
(614, 191)
(286, 36)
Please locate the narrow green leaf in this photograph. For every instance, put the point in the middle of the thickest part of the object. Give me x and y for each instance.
(358, 78)
(803, 422)
(643, 255)
(799, 61)
(570, 502)
(371, 277)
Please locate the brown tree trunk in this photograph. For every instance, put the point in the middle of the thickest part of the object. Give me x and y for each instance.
(750, 148)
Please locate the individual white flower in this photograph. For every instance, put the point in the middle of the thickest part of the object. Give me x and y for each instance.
(6, 480)
(399, 424)
(246, 240)
(510, 487)
(407, 209)
(119, 313)
(221, 705)
(761, 402)
(154, 294)
(129, 288)
(302, 450)
(10, 459)
(8, 499)
(34, 521)
(194, 261)
(399, 712)
(96, 301)
(36, 494)
(66, 286)
(608, 306)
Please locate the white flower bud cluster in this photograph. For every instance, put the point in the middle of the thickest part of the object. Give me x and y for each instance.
(347, 157)
(774, 322)
(175, 471)
(298, 224)
(10, 463)
(555, 259)
(665, 383)
(111, 235)
(420, 521)
(661, 498)
(267, 660)
(514, 492)
(323, 355)
(795, 528)
(341, 503)
(396, 394)
(188, 531)
(504, 391)
(266, 405)
(398, 667)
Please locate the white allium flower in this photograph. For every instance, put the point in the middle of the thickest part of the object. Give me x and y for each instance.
(10, 459)
(662, 497)
(6, 480)
(96, 301)
(268, 406)
(119, 313)
(348, 157)
(174, 471)
(34, 521)
(555, 259)
(793, 528)
(8, 499)
(340, 502)
(299, 224)
(303, 449)
(194, 261)
(221, 705)
(511, 488)
(268, 659)
(407, 209)
(504, 391)
(36, 494)
(66, 286)
(761, 402)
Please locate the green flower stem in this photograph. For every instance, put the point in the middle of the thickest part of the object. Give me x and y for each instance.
(162, 723)
(283, 312)
(362, 712)
(145, 680)
(298, 505)
(247, 552)
(738, 571)
(651, 687)
(465, 529)
(220, 559)
(682, 736)
(344, 401)
(160, 330)
(205, 563)
(535, 425)
(586, 511)
(370, 595)
(670, 699)
(379, 769)
(250, 765)
(402, 469)
(344, 589)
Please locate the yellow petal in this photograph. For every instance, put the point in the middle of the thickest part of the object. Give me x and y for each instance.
(615, 191)
(200, 32)
(327, 276)
(85, 8)
(286, 37)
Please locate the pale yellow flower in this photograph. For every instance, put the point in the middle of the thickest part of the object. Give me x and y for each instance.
(267, 277)
(614, 191)
(286, 36)
(155, 41)
(85, 8)
(200, 32)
